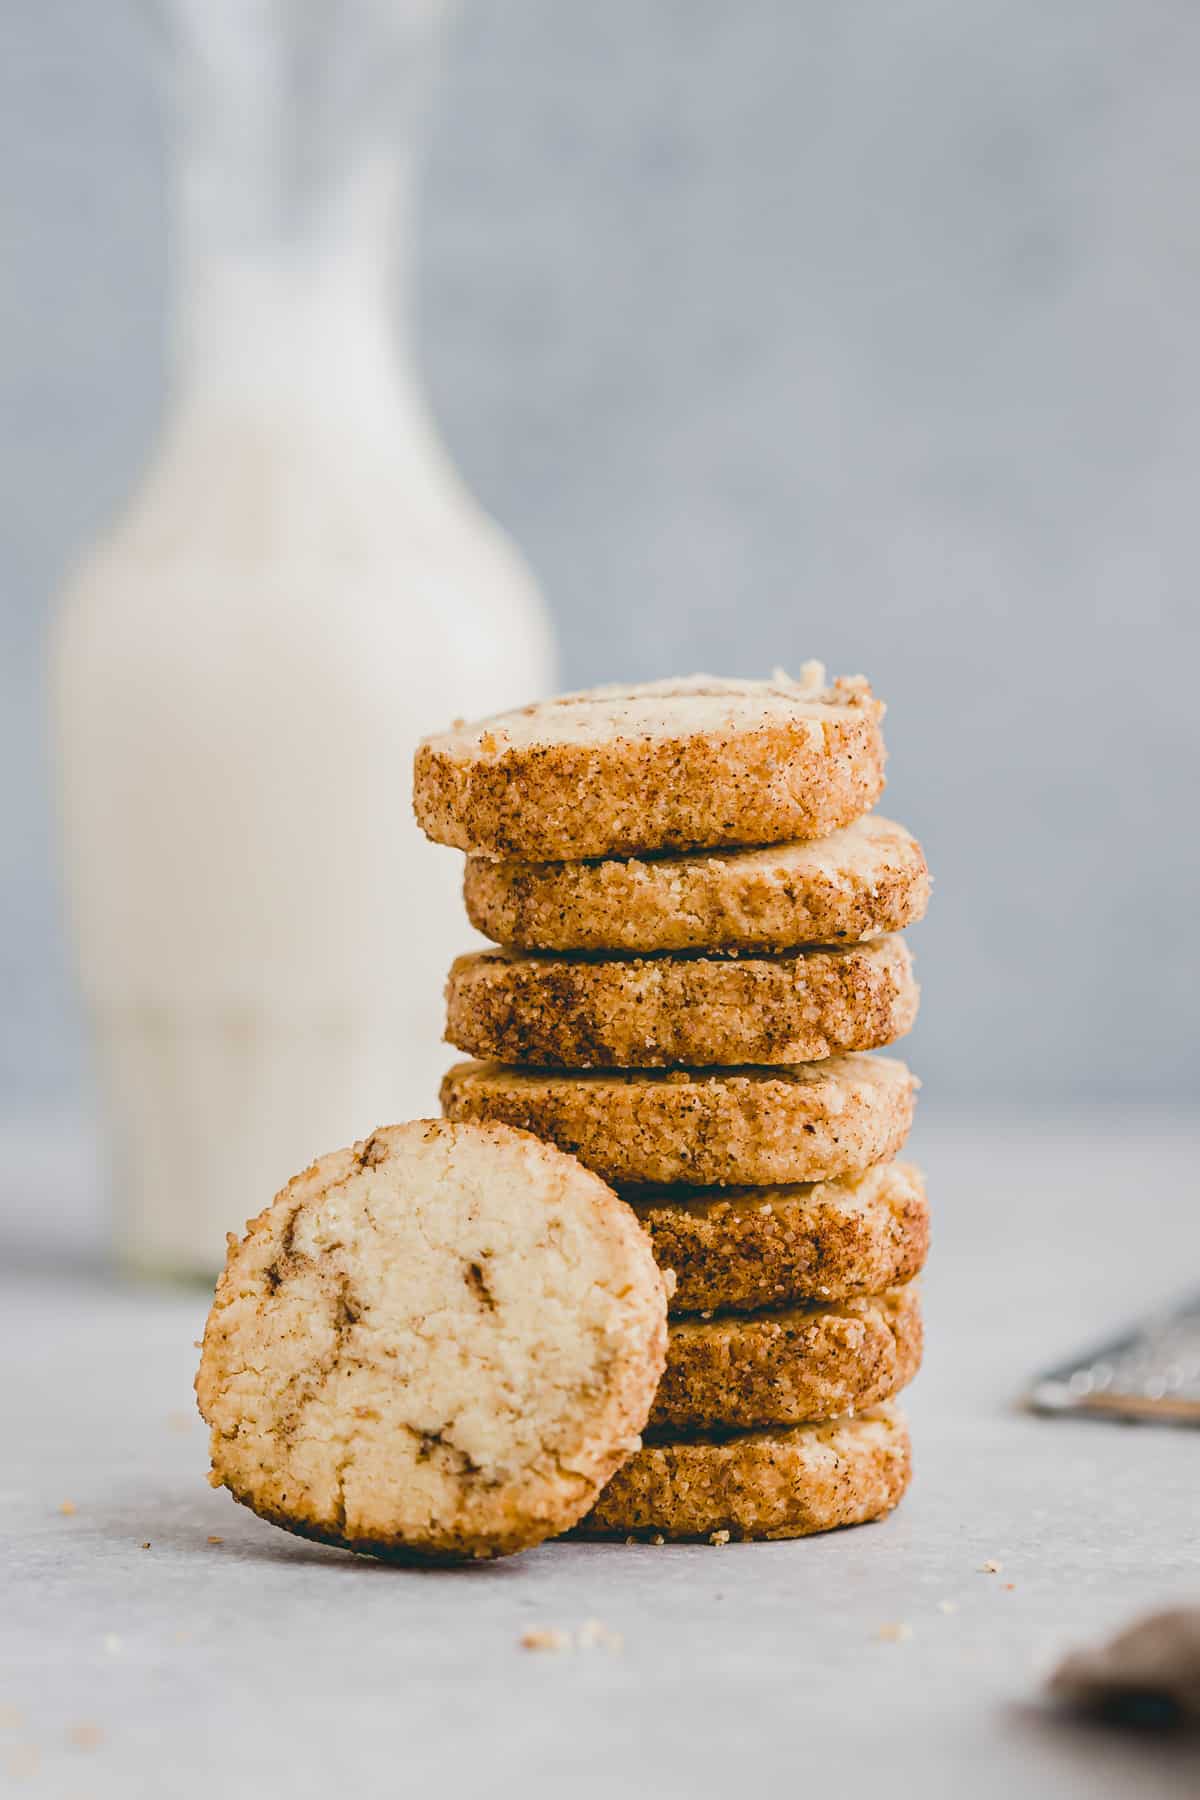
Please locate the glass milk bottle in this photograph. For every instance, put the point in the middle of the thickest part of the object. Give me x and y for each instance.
(299, 589)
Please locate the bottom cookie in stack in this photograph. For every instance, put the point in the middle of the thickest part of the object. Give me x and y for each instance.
(780, 1482)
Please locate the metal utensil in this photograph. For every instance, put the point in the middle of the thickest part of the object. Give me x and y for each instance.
(1150, 1374)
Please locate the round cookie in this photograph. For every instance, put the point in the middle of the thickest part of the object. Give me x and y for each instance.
(744, 1248)
(867, 878)
(441, 1342)
(782, 1483)
(662, 766)
(717, 1127)
(789, 1368)
(653, 1012)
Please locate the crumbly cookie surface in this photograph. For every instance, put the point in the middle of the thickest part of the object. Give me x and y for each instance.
(440, 1342)
(744, 1248)
(780, 1483)
(789, 1367)
(868, 878)
(717, 1127)
(584, 1011)
(666, 765)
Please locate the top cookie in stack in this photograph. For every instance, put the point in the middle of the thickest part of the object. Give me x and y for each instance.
(698, 919)
(664, 766)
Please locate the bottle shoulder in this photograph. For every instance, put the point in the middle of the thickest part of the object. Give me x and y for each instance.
(251, 527)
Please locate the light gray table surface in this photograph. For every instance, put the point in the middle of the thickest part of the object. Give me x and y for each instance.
(262, 1665)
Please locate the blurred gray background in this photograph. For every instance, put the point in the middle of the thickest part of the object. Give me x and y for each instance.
(771, 331)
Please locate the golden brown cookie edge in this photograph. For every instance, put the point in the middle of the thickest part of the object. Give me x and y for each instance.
(790, 1366)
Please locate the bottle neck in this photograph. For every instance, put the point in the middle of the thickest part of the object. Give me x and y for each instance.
(290, 320)
(292, 207)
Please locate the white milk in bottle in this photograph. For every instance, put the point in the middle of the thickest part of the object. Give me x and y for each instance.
(297, 592)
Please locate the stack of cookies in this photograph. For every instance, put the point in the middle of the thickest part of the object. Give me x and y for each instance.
(698, 917)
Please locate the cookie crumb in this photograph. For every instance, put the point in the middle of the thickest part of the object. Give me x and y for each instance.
(631, 1540)
(542, 1637)
(86, 1736)
(948, 1606)
(67, 1507)
(990, 1567)
(216, 1540)
(894, 1633)
(594, 1634)
(658, 1539)
(718, 1539)
(146, 1545)
(1009, 1587)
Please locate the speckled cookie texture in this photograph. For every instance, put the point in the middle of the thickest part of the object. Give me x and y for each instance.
(789, 1367)
(871, 877)
(744, 1248)
(441, 1342)
(720, 1127)
(609, 1012)
(663, 766)
(779, 1483)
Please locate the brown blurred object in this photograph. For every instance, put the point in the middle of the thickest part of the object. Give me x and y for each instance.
(1148, 1675)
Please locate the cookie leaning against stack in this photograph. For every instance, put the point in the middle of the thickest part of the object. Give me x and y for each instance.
(697, 922)
(439, 1343)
